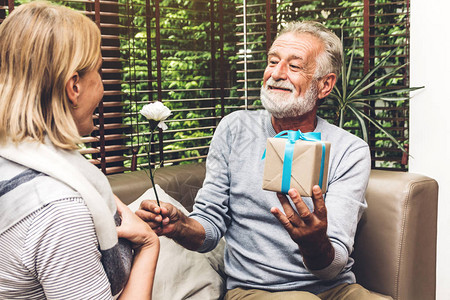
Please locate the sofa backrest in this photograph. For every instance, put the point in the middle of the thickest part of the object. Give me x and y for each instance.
(182, 182)
(395, 244)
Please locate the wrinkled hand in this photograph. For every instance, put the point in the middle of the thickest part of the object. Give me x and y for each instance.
(162, 220)
(134, 229)
(307, 229)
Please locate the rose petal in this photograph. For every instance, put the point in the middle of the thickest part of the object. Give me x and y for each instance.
(155, 111)
(162, 125)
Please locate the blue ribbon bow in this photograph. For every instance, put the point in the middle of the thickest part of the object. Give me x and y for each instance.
(293, 136)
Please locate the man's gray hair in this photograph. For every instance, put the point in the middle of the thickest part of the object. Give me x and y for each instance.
(329, 61)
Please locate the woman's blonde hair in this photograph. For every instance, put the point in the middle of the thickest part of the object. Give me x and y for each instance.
(41, 46)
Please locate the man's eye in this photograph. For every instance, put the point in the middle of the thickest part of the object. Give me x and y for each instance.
(273, 62)
(295, 67)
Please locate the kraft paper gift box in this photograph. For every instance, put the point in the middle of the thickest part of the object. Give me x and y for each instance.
(305, 168)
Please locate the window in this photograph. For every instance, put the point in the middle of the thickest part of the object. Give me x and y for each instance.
(376, 26)
(205, 59)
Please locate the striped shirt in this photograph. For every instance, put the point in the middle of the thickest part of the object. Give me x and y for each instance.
(53, 254)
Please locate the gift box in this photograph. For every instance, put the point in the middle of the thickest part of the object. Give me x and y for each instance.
(296, 160)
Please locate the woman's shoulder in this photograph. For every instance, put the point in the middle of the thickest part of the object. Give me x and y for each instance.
(19, 179)
(61, 215)
(24, 191)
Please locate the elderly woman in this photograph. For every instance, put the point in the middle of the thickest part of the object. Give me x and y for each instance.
(58, 215)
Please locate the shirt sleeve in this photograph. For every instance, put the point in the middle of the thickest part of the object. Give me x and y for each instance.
(345, 202)
(211, 203)
(61, 251)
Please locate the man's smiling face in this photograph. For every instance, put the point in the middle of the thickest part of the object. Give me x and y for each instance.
(289, 88)
(292, 58)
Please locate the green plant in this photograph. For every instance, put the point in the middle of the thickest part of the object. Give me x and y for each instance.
(354, 97)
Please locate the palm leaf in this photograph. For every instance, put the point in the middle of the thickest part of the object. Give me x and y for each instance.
(394, 99)
(360, 90)
(344, 76)
(363, 104)
(336, 93)
(349, 71)
(388, 99)
(361, 122)
(351, 99)
(350, 64)
(381, 128)
(370, 73)
(382, 94)
(341, 117)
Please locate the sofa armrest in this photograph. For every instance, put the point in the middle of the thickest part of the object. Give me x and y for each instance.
(182, 182)
(395, 245)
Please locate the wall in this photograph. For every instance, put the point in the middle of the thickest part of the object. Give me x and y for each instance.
(429, 115)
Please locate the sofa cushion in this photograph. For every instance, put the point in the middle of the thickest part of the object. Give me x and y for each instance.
(184, 274)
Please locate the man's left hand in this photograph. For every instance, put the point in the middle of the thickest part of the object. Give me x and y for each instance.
(307, 229)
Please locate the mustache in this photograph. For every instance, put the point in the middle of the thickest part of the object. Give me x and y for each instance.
(284, 84)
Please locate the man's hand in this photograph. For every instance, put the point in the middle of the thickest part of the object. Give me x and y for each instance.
(162, 220)
(169, 221)
(307, 229)
(134, 229)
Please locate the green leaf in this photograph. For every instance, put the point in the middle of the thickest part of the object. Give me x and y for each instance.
(382, 94)
(343, 69)
(363, 104)
(361, 121)
(335, 93)
(382, 129)
(351, 60)
(360, 89)
(369, 74)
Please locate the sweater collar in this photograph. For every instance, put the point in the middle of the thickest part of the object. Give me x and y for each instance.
(271, 131)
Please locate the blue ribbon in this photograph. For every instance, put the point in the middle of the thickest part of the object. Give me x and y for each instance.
(293, 136)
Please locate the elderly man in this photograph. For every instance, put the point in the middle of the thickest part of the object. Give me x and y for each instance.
(277, 248)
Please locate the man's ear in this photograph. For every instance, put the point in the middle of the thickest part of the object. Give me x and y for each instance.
(73, 89)
(326, 85)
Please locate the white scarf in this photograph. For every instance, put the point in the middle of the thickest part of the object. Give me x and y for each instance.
(74, 170)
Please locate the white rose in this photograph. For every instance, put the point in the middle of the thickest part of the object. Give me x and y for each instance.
(156, 111)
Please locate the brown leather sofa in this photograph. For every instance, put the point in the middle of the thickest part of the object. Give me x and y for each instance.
(395, 246)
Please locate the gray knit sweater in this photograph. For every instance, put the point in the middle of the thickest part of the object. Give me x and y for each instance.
(259, 252)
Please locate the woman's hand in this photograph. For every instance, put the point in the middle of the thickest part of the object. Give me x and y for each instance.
(134, 229)
(146, 244)
(169, 221)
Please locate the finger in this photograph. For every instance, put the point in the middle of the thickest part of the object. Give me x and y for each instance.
(285, 203)
(165, 211)
(119, 204)
(121, 233)
(122, 209)
(303, 210)
(154, 225)
(149, 216)
(282, 219)
(150, 205)
(320, 209)
(289, 211)
(165, 221)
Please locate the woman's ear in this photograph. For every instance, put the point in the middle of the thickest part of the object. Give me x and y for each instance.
(73, 89)
(326, 85)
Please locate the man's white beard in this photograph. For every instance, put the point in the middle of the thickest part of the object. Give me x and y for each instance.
(286, 105)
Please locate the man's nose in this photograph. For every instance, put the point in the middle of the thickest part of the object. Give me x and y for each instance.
(280, 71)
